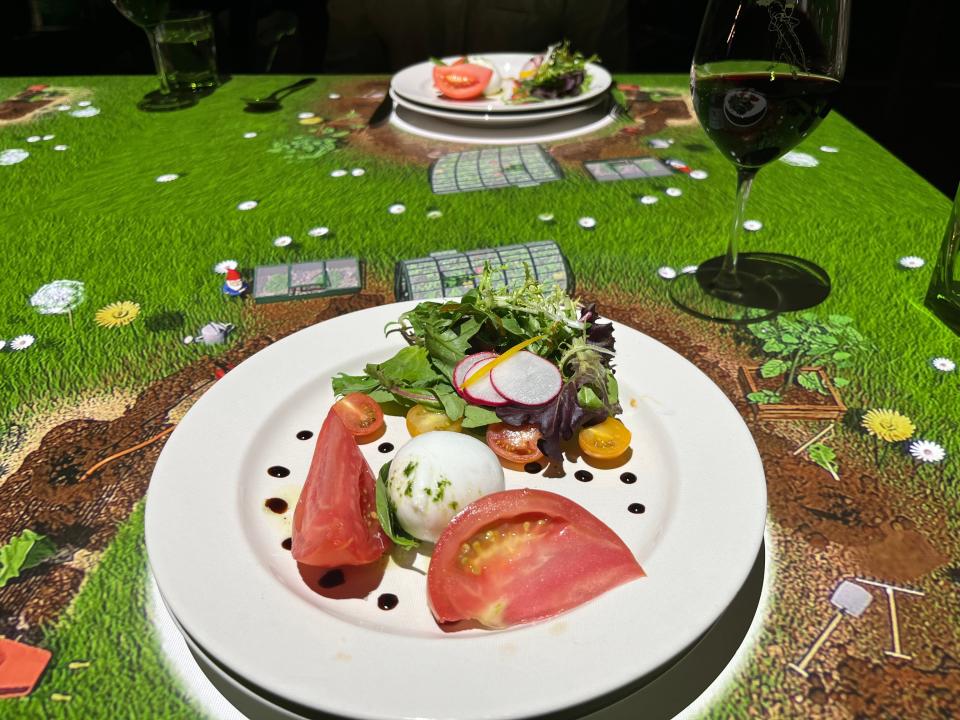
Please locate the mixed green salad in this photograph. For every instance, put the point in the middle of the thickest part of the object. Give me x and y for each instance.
(488, 325)
(560, 73)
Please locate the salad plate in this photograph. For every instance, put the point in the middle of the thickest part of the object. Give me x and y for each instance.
(415, 83)
(496, 119)
(216, 547)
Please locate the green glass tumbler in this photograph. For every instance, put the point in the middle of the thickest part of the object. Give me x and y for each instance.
(943, 296)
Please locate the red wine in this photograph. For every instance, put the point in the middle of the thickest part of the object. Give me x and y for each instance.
(755, 117)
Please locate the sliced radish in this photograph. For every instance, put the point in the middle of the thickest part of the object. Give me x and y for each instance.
(526, 379)
(464, 367)
(482, 391)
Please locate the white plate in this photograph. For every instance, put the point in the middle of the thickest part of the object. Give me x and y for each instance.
(216, 554)
(580, 123)
(498, 119)
(416, 83)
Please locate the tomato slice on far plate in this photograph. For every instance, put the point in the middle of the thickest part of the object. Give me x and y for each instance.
(605, 441)
(461, 81)
(523, 555)
(421, 419)
(515, 444)
(360, 413)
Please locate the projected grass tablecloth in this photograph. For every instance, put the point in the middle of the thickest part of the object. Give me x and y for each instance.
(123, 234)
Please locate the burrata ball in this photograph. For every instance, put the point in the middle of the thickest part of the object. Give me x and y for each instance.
(436, 475)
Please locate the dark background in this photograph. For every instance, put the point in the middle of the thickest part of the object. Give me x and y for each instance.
(902, 80)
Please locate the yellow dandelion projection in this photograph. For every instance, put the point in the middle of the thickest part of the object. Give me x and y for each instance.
(888, 425)
(117, 314)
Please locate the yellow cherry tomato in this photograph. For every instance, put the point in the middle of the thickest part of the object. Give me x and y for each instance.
(605, 441)
(421, 419)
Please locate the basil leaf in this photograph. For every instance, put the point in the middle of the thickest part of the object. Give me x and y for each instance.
(588, 399)
(410, 366)
(475, 416)
(385, 513)
(453, 405)
(344, 384)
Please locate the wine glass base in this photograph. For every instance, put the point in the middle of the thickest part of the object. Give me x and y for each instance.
(753, 300)
(800, 283)
(157, 101)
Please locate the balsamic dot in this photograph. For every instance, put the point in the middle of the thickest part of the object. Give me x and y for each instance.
(304, 435)
(385, 447)
(277, 471)
(277, 505)
(387, 601)
(583, 475)
(533, 467)
(287, 544)
(636, 508)
(629, 478)
(331, 578)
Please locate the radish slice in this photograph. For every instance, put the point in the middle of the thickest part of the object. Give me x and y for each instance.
(464, 367)
(482, 391)
(526, 379)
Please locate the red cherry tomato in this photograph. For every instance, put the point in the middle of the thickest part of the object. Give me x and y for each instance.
(514, 444)
(360, 413)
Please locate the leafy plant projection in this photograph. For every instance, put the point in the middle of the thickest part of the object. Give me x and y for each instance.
(804, 340)
(824, 456)
(309, 147)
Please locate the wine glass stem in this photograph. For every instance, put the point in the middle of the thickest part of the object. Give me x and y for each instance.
(727, 277)
(152, 35)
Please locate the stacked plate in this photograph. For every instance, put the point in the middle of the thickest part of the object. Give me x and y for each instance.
(293, 642)
(420, 108)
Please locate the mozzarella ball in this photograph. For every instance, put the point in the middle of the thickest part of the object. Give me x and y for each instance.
(436, 475)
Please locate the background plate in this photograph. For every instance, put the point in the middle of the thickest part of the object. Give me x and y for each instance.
(416, 83)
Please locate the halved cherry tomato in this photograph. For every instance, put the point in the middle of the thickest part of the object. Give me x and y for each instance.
(335, 521)
(421, 419)
(462, 81)
(514, 444)
(360, 413)
(607, 440)
(522, 555)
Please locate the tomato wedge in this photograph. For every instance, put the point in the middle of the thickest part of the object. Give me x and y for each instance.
(462, 81)
(514, 444)
(335, 521)
(360, 413)
(522, 555)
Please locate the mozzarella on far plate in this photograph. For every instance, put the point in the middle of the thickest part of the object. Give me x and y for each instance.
(436, 475)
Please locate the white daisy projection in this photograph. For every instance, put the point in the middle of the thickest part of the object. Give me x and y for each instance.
(927, 451)
(221, 267)
(943, 364)
(22, 342)
(911, 262)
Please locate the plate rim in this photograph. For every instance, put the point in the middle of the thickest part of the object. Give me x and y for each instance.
(602, 81)
(198, 610)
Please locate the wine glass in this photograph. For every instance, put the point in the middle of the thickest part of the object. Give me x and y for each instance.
(149, 15)
(764, 75)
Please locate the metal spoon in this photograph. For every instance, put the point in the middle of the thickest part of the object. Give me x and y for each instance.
(271, 102)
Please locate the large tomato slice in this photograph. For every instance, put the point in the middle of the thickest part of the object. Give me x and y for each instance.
(522, 555)
(461, 81)
(335, 521)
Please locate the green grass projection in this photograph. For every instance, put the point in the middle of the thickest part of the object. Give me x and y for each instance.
(95, 213)
(107, 626)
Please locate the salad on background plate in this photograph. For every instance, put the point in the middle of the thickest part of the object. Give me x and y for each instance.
(558, 73)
